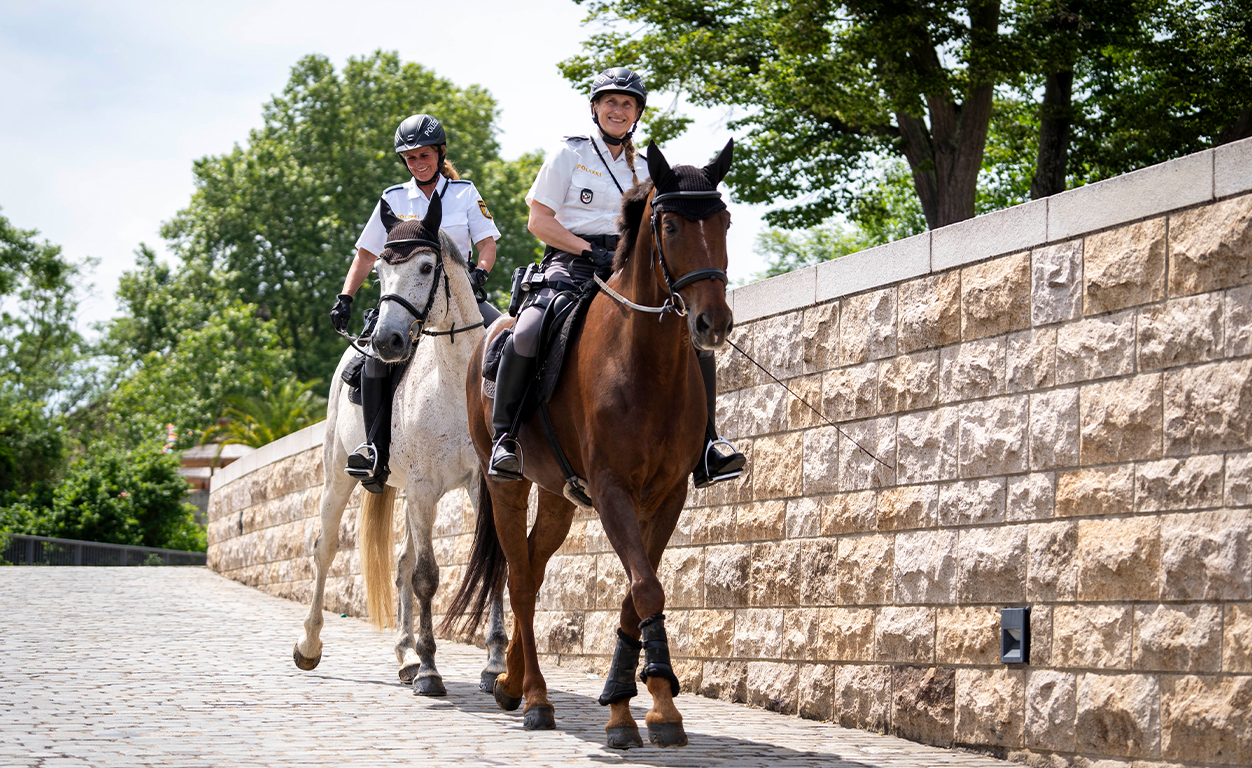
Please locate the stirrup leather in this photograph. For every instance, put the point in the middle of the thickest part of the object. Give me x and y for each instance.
(508, 443)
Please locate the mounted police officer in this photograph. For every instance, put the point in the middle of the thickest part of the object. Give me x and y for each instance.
(423, 146)
(574, 204)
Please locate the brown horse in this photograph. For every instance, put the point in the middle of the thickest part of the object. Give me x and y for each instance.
(629, 411)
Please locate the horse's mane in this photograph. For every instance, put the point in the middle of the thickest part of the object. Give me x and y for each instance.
(629, 221)
(450, 251)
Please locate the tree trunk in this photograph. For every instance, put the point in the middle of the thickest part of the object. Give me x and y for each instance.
(1055, 119)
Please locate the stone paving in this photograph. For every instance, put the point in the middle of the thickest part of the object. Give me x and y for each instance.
(179, 666)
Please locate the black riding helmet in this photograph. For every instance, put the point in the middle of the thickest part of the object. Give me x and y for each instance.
(618, 80)
(422, 131)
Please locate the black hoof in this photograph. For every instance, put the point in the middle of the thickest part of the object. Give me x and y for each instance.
(624, 737)
(539, 718)
(304, 662)
(431, 685)
(507, 703)
(408, 673)
(487, 681)
(667, 734)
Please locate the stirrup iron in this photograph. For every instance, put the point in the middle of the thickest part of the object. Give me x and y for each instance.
(727, 475)
(362, 462)
(505, 474)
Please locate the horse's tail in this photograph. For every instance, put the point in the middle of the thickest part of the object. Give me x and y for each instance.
(375, 538)
(484, 575)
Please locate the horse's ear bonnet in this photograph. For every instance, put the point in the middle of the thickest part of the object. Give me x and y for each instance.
(390, 219)
(405, 237)
(688, 178)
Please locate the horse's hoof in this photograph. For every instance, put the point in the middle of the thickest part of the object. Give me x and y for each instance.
(408, 673)
(430, 685)
(624, 736)
(667, 734)
(304, 662)
(539, 718)
(507, 703)
(487, 681)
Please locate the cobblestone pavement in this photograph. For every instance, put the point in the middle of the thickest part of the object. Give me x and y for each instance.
(179, 666)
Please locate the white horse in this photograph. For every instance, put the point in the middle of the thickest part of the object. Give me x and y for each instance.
(431, 452)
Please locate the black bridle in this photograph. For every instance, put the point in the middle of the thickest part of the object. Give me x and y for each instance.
(675, 300)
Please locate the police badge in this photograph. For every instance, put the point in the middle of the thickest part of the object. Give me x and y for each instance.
(585, 196)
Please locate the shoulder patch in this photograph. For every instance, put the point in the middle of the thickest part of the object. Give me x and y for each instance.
(483, 207)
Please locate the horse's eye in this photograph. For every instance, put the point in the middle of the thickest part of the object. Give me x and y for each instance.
(670, 228)
(428, 268)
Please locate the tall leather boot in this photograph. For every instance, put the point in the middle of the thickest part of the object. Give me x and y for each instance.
(512, 378)
(368, 463)
(714, 465)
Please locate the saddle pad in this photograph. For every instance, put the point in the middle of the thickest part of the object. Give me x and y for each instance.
(491, 355)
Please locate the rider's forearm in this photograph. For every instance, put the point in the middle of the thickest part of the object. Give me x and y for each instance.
(543, 225)
(361, 267)
(486, 253)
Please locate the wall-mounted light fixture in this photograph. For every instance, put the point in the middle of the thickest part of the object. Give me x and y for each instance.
(1015, 635)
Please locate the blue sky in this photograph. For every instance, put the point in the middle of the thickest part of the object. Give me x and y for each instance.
(108, 103)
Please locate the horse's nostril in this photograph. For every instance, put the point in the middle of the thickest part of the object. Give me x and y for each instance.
(702, 323)
(397, 342)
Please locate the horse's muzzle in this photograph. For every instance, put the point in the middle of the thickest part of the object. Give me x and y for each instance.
(710, 326)
(391, 346)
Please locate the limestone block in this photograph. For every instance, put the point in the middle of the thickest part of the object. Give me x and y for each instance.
(762, 410)
(815, 690)
(1050, 709)
(861, 697)
(1053, 571)
(1095, 348)
(907, 506)
(809, 389)
(1118, 714)
(1121, 420)
(854, 512)
(925, 567)
(970, 502)
(989, 706)
(968, 635)
(867, 454)
(972, 370)
(1181, 331)
(726, 571)
(819, 572)
(923, 704)
(1190, 483)
(1238, 479)
(1207, 719)
(694, 633)
(993, 436)
(1207, 555)
(850, 393)
(1211, 247)
(1178, 638)
(905, 634)
(821, 460)
(927, 446)
(1090, 636)
(995, 297)
(992, 564)
(681, 574)
(1238, 312)
(1237, 638)
(1030, 360)
(1209, 408)
(819, 329)
(776, 341)
(908, 382)
(867, 327)
(559, 632)
(865, 569)
(799, 635)
(844, 634)
(804, 518)
(1031, 497)
(758, 633)
(775, 574)
(712, 525)
(1054, 429)
(1124, 267)
(725, 680)
(1056, 283)
(734, 371)
(566, 580)
(777, 466)
(1119, 559)
(761, 520)
(930, 312)
(1100, 491)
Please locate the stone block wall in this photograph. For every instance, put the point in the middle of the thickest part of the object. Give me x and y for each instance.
(1051, 416)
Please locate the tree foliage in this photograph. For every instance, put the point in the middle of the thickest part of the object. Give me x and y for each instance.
(281, 408)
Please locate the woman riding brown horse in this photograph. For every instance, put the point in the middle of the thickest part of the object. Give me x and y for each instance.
(629, 411)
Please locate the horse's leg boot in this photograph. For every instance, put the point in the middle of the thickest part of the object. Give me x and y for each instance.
(512, 377)
(715, 465)
(656, 661)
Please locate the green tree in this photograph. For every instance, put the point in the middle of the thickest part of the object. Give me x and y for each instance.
(282, 408)
(279, 216)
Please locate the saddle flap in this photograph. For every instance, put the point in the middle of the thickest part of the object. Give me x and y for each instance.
(491, 355)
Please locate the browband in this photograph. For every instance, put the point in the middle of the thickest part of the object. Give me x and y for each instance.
(434, 246)
(707, 194)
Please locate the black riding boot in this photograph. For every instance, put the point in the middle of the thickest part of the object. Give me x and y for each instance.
(512, 377)
(368, 462)
(714, 466)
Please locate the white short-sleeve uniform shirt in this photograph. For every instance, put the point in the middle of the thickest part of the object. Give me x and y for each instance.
(465, 215)
(575, 183)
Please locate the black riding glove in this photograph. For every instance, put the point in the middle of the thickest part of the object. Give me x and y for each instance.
(599, 256)
(478, 279)
(342, 313)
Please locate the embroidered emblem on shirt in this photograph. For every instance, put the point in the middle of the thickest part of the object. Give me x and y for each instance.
(483, 207)
(585, 196)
